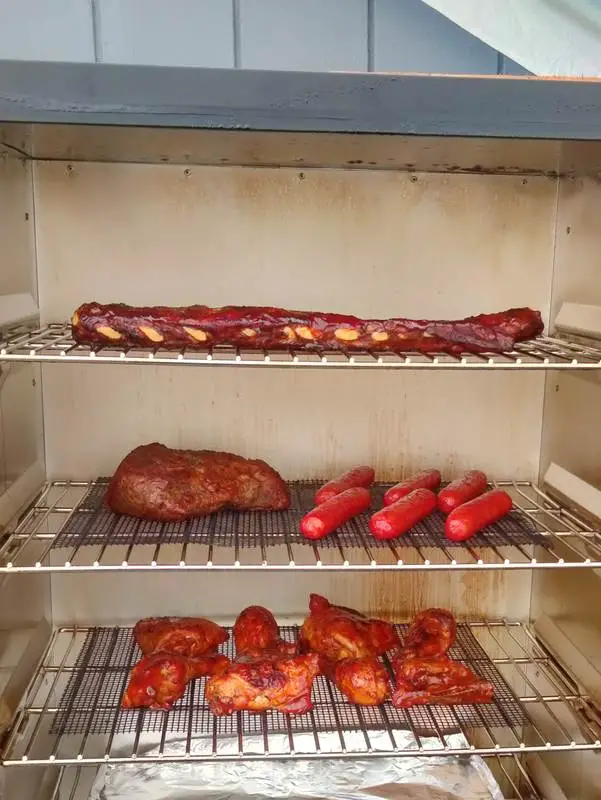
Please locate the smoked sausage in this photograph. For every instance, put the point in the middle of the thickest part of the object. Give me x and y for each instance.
(426, 479)
(334, 512)
(462, 490)
(358, 476)
(469, 518)
(398, 518)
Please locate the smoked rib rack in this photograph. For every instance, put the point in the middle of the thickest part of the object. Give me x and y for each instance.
(67, 528)
(71, 713)
(54, 343)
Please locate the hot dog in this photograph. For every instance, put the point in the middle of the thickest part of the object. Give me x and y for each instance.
(398, 518)
(426, 479)
(471, 517)
(462, 490)
(358, 476)
(334, 512)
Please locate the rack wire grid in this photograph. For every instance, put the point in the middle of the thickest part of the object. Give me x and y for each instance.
(75, 783)
(72, 713)
(67, 527)
(54, 343)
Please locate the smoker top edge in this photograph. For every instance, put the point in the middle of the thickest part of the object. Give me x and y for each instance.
(335, 102)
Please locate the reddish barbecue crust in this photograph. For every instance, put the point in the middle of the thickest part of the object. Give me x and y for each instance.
(184, 636)
(256, 631)
(337, 633)
(282, 683)
(198, 327)
(158, 483)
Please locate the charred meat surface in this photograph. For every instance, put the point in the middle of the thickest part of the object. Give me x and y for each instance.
(257, 684)
(264, 327)
(437, 681)
(185, 636)
(336, 632)
(158, 680)
(159, 483)
(256, 630)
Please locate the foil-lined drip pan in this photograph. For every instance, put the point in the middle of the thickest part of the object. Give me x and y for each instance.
(407, 778)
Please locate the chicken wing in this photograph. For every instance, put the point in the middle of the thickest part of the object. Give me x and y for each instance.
(249, 684)
(186, 636)
(431, 633)
(256, 632)
(363, 681)
(336, 632)
(159, 679)
(437, 680)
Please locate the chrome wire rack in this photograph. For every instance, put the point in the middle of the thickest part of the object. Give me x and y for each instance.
(54, 343)
(71, 713)
(67, 528)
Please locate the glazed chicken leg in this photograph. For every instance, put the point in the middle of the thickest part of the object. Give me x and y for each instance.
(363, 681)
(349, 645)
(159, 679)
(431, 633)
(256, 632)
(336, 632)
(176, 650)
(186, 636)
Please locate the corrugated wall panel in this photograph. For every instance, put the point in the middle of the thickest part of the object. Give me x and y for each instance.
(46, 30)
(186, 33)
(310, 35)
(411, 37)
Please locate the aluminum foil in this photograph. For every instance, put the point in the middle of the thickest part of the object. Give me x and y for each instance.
(385, 778)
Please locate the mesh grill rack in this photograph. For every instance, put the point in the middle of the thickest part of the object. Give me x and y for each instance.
(54, 343)
(91, 701)
(71, 713)
(92, 523)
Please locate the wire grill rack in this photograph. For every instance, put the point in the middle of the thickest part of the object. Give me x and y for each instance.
(93, 523)
(92, 698)
(54, 343)
(67, 528)
(71, 712)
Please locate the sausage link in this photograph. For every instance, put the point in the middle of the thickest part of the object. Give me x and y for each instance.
(334, 512)
(359, 476)
(426, 479)
(462, 490)
(465, 521)
(398, 518)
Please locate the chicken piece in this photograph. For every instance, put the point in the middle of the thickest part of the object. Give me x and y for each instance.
(159, 679)
(256, 632)
(336, 632)
(185, 636)
(437, 681)
(363, 681)
(283, 684)
(431, 633)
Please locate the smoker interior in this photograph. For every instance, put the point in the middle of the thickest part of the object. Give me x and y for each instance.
(145, 216)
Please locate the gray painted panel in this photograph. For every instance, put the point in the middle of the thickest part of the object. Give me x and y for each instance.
(46, 30)
(187, 33)
(511, 67)
(316, 35)
(299, 101)
(409, 36)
